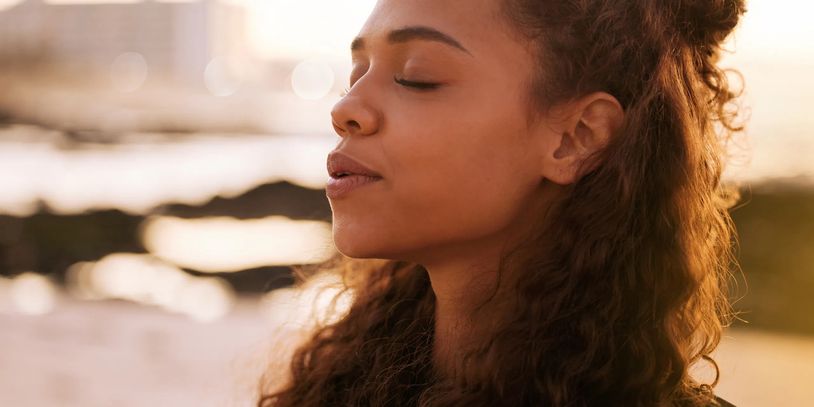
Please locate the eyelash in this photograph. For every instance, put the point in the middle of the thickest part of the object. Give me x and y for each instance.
(416, 85)
(422, 86)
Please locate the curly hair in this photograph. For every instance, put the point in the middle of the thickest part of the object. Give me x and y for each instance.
(631, 293)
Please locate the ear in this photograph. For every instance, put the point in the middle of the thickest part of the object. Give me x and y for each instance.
(585, 127)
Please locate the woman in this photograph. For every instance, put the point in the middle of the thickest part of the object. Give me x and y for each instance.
(536, 188)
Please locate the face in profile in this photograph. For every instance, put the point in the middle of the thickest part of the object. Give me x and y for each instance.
(437, 107)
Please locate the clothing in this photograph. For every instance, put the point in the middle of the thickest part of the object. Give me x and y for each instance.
(723, 402)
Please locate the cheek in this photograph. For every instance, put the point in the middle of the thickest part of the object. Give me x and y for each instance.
(459, 181)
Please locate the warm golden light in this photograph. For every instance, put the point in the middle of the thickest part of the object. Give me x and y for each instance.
(777, 29)
(320, 301)
(201, 108)
(140, 176)
(32, 294)
(147, 280)
(225, 244)
(305, 28)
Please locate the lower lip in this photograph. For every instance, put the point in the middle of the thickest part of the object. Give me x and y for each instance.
(339, 187)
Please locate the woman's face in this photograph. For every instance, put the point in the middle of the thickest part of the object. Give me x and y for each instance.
(459, 166)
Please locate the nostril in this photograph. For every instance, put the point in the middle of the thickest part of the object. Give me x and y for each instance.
(337, 128)
(349, 127)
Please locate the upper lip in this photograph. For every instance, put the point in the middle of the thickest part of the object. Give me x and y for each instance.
(339, 163)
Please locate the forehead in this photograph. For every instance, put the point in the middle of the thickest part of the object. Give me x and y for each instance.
(478, 25)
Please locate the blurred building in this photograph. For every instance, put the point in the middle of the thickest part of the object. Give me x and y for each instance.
(176, 40)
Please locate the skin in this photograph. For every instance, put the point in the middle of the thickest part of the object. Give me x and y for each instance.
(464, 173)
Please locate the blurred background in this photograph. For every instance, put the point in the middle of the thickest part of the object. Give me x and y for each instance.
(162, 163)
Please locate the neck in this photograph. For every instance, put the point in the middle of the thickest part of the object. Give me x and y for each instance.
(467, 304)
(470, 296)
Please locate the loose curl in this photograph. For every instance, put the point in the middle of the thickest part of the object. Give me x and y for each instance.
(633, 289)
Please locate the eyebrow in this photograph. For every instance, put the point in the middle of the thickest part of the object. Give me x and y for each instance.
(412, 33)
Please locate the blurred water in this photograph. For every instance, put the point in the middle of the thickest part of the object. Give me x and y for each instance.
(139, 175)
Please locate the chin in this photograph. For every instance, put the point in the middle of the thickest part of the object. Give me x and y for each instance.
(355, 243)
(361, 245)
(350, 250)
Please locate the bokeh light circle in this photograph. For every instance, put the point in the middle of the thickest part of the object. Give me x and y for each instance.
(220, 78)
(33, 294)
(128, 72)
(312, 79)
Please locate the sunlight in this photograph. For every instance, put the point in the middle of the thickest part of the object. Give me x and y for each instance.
(138, 177)
(147, 280)
(225, 244)
(299, 29)
(322, 300)
(32, 294)
(776, 29)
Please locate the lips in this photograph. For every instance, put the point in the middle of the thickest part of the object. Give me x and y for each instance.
(347, 175)
(341, 165)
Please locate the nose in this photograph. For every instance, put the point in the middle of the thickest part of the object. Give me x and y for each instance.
(353, 116)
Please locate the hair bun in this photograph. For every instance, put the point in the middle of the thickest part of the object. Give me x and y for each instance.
(707, 23)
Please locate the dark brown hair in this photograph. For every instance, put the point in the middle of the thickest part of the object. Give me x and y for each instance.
(633, 290)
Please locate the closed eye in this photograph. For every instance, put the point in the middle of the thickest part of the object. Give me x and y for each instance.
(416, 85)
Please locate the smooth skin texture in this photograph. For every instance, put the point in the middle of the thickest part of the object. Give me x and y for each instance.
(464, 173)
